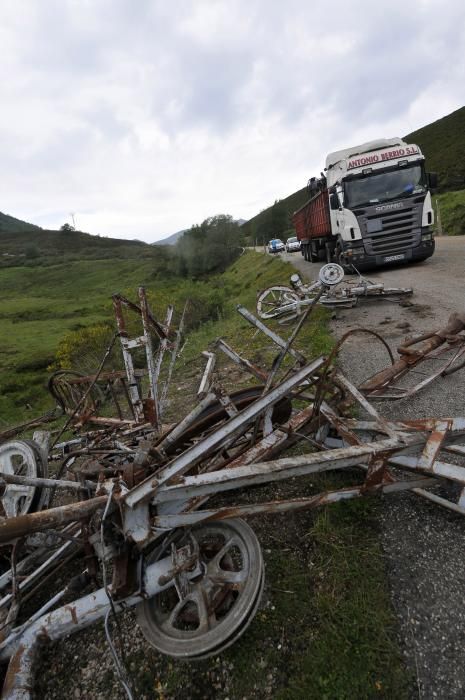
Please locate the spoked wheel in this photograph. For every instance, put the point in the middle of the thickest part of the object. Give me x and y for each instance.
(23, 458)
(272, 302)
(218, 605)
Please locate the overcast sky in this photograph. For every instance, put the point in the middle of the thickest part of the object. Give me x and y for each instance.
(144, 117)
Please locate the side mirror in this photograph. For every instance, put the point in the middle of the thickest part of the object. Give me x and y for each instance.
(432, 180)
(334, 201)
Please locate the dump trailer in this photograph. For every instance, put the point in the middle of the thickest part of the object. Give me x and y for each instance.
(371, 207)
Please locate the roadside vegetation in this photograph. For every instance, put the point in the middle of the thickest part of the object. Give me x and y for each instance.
(326, 627)
(451, 207)
(443, 145)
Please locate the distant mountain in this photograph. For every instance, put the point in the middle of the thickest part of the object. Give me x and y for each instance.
(8, 224)
(443, 144)
(170, 240)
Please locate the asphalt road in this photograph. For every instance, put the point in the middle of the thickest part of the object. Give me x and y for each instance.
(423, 543)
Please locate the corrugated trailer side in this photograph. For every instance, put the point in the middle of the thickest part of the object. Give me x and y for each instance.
(311, 222)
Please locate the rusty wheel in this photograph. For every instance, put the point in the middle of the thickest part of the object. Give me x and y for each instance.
(276, 301)
(218, 605)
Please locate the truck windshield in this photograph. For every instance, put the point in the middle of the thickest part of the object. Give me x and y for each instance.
(383, 187)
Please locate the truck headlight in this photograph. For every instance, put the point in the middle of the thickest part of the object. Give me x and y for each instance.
(426, 236)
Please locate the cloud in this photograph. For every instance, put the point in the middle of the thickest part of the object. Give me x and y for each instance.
(146, 117)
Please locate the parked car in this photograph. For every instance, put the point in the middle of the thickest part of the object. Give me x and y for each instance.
(276, 246)
(292, 244)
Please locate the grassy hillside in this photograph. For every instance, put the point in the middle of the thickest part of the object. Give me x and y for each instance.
(42, 247)
(452, 213)
(443, 144)
(8, 224)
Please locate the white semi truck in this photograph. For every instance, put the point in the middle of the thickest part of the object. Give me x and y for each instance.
(371, 207)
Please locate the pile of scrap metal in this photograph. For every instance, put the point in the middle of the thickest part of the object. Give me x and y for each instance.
(287, 303)
(160, 510)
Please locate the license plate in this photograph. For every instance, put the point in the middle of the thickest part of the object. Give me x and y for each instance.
(391, 258)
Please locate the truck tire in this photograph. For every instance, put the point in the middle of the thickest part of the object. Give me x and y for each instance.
(313, 252)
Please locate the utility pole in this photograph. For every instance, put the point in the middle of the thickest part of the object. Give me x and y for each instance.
(72, 217)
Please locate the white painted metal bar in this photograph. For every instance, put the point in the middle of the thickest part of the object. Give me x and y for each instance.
(145, 490)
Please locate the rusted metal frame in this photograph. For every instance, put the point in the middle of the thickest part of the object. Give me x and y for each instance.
(27, 563)
(31, 578)
(284, 506)
(456, 507)
(133, 387)
(436, 374)
(406, 393)
(186, 422)
(268, 445)
(119, 300)
(87, 392)
(164, 342)
(227, 404)
(339, 424)
(152, 411)
(433, 445)
(160, 355)
(242, 362)
(180, 464)
(245, 313)
(205, 382)
(277, 362)
(411, 357)
(440, 469)
(235, 477)
(404, 366)
(174, 355)
(342, 380)
(12, 528)
(44, 483)
(71, 618)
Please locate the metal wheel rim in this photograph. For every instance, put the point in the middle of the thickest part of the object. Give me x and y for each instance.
(18, 499)
(331, 274)
(217, 583)
(271, 301)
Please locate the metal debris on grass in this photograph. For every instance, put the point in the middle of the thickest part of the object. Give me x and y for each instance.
(139, 500)
(287, 303)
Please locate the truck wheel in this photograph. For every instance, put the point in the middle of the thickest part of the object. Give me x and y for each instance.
(313, 252)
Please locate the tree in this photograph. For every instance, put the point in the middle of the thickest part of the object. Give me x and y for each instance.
(209, 247)
(67, 228)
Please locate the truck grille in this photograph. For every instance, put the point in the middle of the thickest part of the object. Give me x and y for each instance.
(398, 230)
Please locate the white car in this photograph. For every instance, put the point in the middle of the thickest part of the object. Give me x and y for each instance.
(292, 244)
(276, 246)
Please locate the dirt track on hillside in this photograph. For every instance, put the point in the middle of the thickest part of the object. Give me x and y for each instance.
(423, 543)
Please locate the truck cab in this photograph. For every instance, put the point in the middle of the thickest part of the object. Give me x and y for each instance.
(379, 204)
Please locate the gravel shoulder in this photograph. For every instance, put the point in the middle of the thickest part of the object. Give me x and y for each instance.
(423, 543)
